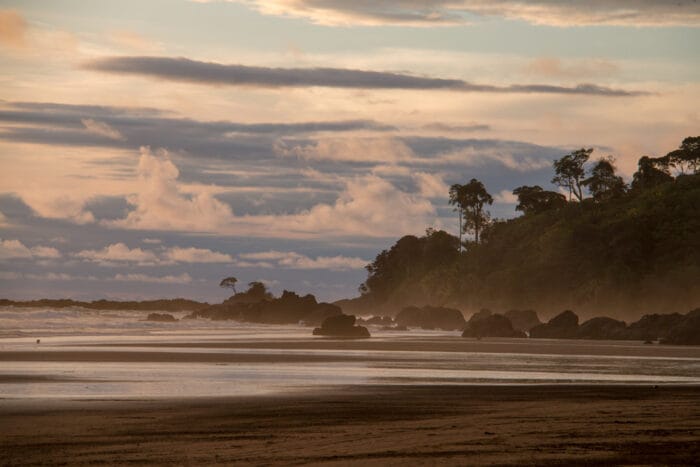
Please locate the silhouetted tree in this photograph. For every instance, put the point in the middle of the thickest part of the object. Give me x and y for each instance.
(258, 290)
(650, 172)
(570, 171)
(603, 183)
(471, 200)
(229, 282)
(687, 157)
(533, 199)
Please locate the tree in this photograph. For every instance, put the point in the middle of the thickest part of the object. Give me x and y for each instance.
(258, 290)
(570, 171)
(470, 200)
(603, 183)
(533, 199)
(687, 157)
(650, 172)
(229, 282)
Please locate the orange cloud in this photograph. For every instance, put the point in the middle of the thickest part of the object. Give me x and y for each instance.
(13, 29)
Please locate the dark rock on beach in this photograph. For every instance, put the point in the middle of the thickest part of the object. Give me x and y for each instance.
(562, 326)
(686, 332)
(602, 328)
(523, 320)
(341, 326)
(490, 325)
(161, 317)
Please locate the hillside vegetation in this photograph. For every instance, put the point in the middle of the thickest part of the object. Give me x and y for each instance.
(622, 251)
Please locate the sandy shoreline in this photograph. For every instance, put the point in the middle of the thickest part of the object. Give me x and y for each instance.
(375, 425)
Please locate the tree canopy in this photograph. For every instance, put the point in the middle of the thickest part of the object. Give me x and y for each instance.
(569, 172)
(229, 282)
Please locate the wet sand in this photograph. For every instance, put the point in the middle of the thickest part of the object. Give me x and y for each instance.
(366, 425)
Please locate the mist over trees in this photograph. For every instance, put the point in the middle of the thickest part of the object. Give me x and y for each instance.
(609, 249)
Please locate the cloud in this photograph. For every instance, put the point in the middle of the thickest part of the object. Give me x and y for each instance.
(431, 185)
(505, 197)
(119, 252)
(14, 249)
(556, 68)
(367, 205)
(183, 69)
(183, 278)
(196, 255)
(347, 149)
(447, 128)
(293, 260)
(101, 129)
(58, 206)
(449, 12)
(13, 29)
(160, 204)
(152, 241)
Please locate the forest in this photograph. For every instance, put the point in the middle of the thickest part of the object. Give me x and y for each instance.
(598, 245)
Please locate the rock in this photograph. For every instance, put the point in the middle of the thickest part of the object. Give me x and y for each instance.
(290, 308)
(320, 313)
(602, 328)
(686, 332)
(490, 325)
(654, 326)
(161, 317)
(562, 326)
(523, 320)
(430, 317)
(341, 326)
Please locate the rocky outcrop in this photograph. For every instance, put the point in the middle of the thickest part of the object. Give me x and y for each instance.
(654, 326)
(562, 326)
(490, 325)
(290, 308)
(602, 328)
(341, 326)
(161, 317)
(685, 332)
(430, 317)
(523, 320)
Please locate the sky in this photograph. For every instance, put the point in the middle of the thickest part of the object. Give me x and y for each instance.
(150, 148)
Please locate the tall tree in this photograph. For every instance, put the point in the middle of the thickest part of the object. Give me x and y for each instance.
(471, 200)
(602, 182)
(533, 199)
(229, 282)
(569, 172)
(687, 157)
(650, 172)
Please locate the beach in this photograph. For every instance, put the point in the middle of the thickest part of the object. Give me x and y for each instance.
(428, 425)
(111, 388)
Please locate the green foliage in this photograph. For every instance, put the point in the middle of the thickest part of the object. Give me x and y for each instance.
(569, 172)
(533, 199)
(229, 282)
(636, 251)
(650, 173)
(471, 200)
(687, 157)
(603, 183)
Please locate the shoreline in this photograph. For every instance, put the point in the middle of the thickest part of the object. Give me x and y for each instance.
(375, 425)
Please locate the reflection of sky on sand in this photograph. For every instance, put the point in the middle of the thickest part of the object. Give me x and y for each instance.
(232, 359)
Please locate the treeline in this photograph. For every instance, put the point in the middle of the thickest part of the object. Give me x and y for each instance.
(606, 248)
(175, 304)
